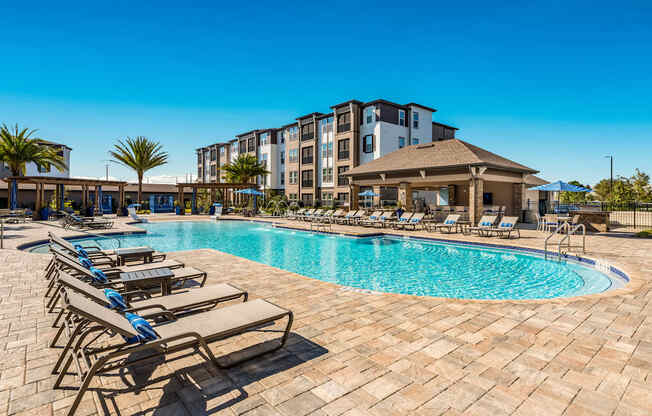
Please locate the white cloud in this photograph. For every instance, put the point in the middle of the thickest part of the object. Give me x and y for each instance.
(159, 179)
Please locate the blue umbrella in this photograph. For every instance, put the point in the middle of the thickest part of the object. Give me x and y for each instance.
(368, 193)
(14, 195)
(249, 191)
(560, 186)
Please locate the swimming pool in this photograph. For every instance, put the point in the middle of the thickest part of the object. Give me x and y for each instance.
(383, 263)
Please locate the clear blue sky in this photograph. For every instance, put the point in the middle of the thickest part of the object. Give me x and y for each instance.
(555, 86)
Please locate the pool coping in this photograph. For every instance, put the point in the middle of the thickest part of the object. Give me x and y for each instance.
(630, 284)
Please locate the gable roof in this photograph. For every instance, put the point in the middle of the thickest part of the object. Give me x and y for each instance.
(440, 154)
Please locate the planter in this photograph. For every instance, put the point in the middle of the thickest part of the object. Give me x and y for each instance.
(45, 213)
(179, 211)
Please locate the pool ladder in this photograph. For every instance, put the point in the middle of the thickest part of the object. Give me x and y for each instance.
(566, 238)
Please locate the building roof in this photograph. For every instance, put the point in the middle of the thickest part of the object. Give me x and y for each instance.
(51, 143)
(289, 125)
(422, 106)
(315, 114)
(535, 180)
(444, 125)
(345, 103)
(441, 154)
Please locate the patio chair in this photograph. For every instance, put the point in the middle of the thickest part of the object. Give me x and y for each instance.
(180, 303)
(71, 220)
(327, 217)
(540, 222)
(143, 341)
(506, 227)
(337, 215)
(134, 216)
(347, 217)
(551, 222)
(384, 219)
(413, 222)
(449, 224)
(486, 223)
(372, 219)
(307, 215)
(358, 217)
(404, 218)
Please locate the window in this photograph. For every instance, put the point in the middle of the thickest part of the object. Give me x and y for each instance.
(251, 145)
(199, 173)
(343, 149)
(307, 199)
(292, 197)
(280, 136)
(199, 159)
(326, 196)
(327, 150)
(342, 197)
(306, 155)
(234, 148)
(369, 114)
(401, 118)
(306, 178)
(293, 155)
(488, 198)
(264, 139)
(213, 170)
(213, 154)
(415, 140)
(342, 180)
(368, 143)
(44, 169)
(282, 177)
(222, 150)
(243, 146)
(308, 132)
(282, 157)
(293, 134)
(344, 122)
(294, 177)
(265, 157)
(401, 142)
(327, 175)
(329, 153)
(415, 119)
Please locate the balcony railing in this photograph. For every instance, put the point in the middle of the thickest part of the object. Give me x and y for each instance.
(306, 183)
(307, 136)
(343, 155)
(342, 181)
(341, 128)
(306, 160)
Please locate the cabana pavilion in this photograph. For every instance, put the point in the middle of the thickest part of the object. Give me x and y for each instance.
(227, 189)
(456, 172)
(39, 183)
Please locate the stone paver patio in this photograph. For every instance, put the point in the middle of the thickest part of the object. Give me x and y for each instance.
(353, 353)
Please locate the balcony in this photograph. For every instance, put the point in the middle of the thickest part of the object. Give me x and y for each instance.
(344, 155)
(307, 136)
(342, 181)
(306, 160)
(306, 183)
(342, 128)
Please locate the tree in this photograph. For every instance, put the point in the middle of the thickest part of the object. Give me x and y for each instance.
(140, 154)
(635, 188)
(277, 204)
(18, 148)
(641, 188)
(574, 197)
(244, 169)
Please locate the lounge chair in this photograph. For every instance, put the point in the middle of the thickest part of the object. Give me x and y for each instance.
(307, 215)
(372, 219)
(295, 215)
(506, 227)
(403, 219)
(316, 215)
(85, 222)
(327, 217)
(143, 341)
(346, 218)
(181, 303)
(337, 215)
(180, 274)
(449, 224)
(356, 218)
(384, 219)
(413, 222)
(485, 224)
(134, 216)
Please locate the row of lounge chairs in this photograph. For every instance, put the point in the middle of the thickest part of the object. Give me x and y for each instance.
(104, 326)
(487, 226)
(73, 220)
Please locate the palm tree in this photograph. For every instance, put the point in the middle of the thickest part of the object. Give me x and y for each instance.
(18, 148)
(244, 169)
(140, 154)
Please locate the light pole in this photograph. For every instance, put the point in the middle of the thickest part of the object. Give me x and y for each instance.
(611, 176)
(107, 166)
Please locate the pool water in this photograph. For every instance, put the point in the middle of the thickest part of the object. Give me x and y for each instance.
(383, 264)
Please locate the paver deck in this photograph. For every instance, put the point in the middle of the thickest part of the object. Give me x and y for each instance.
(354, 353)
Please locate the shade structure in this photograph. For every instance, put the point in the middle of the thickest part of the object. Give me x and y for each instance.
(368, 193)
(249, 191)
(560, 186)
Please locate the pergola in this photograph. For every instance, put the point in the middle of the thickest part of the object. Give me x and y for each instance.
(85, 184)
(212, 186)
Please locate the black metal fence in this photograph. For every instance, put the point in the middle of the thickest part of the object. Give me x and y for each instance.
(623, 216)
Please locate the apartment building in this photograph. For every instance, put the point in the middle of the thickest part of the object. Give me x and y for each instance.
(307, 157)
(32, 170)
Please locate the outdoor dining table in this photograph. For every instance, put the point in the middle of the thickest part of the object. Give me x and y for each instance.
(135, 253)
(145, 279)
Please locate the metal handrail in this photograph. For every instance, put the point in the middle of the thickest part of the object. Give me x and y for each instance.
(568, 235)
(545, 244)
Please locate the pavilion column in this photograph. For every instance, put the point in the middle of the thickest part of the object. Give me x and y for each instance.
(476, 204)
(84, 197)
(121, 198)
(376, 199)
(518, 199)
(61, 201)
(96, 205)
(405, 196)
(36, 215)
(193, 206)
(354, 190)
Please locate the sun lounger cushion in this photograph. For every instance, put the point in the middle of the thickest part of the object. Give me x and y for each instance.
(415, 220)
(449, 222)
(85, 262)
(506, 225)
(485, 224)
(144, 329)
(99, 276)
(82, 252)
(115, 299)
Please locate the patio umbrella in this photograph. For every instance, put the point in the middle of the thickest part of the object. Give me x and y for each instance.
(250, 191)
(14, 195)
(559, 187)
(368, 193)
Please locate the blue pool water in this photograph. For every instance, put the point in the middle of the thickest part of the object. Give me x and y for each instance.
(384, 264)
